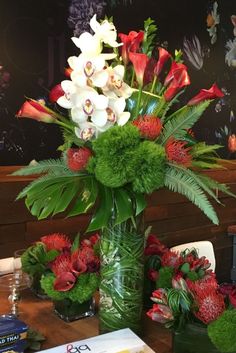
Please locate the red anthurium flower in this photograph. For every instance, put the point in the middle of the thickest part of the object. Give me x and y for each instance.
(204, 94)
(232, 143)
(64, 282)
(131, 43)
(140, 63)
(164, 55)
(35, 110)
(177, 151)
(56, 241)
(176, 72)
(149, 126)
(149, 71)
(55, 93)
(77, 158)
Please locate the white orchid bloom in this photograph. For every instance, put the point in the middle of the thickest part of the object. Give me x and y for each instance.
(106, 32)
(69, 88)
(88, 71)
(88, 105)
(91, 46)
(116, 112)
(85, 131)
(115, 86)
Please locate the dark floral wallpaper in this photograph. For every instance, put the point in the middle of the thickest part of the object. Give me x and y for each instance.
(35, 43)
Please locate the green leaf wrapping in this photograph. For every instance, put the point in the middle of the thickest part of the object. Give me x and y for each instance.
(180, 181)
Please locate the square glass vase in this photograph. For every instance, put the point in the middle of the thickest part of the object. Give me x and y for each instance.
(69, 310)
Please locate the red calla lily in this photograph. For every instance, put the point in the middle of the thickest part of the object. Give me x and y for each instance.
(55, 93)
(64, 282)
(204, 94)
(164, 55)
(140, 63)
(131, 43)
(36, 111)
(176, 79)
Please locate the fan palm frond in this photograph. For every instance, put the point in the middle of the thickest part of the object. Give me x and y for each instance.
(202, 148)
(180, 181)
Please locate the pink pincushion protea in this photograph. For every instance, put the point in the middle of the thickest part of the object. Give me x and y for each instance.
(210, 305)
(61, 264)
(177, 152)
(208, 281)
(56, 241)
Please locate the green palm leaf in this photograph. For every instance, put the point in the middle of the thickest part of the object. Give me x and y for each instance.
(202, 148)
(179, 181)
(52, 166)
(182, 121)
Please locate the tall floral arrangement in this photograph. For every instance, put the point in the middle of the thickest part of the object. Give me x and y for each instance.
(124, 139)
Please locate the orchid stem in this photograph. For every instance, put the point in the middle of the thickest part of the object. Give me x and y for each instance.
(58, 122)
(132, 78)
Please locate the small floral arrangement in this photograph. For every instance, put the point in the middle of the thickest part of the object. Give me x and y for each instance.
(74, 273)
(187, 292)
(123, 136)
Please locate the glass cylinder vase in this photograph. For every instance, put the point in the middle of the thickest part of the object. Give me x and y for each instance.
(69, 311)
(36, 287)
(122, 272)
(193, 339)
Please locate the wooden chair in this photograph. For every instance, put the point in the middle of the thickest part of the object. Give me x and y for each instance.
(204, 248)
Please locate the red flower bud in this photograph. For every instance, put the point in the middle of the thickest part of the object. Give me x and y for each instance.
(34, 110)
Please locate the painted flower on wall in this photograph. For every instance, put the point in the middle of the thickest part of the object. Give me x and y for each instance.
(193, 52)
(230, 56)
(213, 19)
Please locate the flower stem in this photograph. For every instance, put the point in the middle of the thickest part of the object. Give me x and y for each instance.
(154, 84)
(139, 101)
(132, 78)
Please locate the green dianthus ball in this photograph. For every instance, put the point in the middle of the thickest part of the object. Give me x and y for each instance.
(223, 330)
(149, 167)
(164, 279)
(114, 160)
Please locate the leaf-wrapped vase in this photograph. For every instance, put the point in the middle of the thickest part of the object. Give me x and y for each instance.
(122, 274)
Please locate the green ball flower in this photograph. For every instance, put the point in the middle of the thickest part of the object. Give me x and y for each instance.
(114, 161)
(222, 331)
(149, 167)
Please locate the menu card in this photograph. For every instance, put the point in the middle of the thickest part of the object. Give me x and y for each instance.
(121, 341)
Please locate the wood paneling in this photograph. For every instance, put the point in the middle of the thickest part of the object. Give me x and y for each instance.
(172, 217)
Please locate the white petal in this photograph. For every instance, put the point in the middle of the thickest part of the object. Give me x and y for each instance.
(64, 102)
(79, 79)
(94, 24)
(78, 116)
(99, 118)
(88, 44)
(100, 78)
(119, 70)
(118, 105)
(68, 86)
(100, 101)
(108, 56)
(123, 118)
(98, 62)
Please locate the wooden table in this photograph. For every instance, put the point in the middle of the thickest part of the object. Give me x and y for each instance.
(39, 315)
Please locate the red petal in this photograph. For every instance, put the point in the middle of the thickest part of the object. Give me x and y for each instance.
(64, 282)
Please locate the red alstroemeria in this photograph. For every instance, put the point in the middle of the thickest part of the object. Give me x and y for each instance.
(160, 313)
(56, 241)
(64, 282)
(232, 143)
(177, 152)
(204, 94)
(164, 55)
(131, 43)
(36, 111)
(55, 93)
(139, 62)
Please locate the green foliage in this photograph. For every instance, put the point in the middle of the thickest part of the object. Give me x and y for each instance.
(149, 167)
(150, 30)
(165, 277)
(35, 259)
(180, 303)
(52, 166)
(114, 155)
(184, 119)
(222, 331)
(84, 288)
(179, 180)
